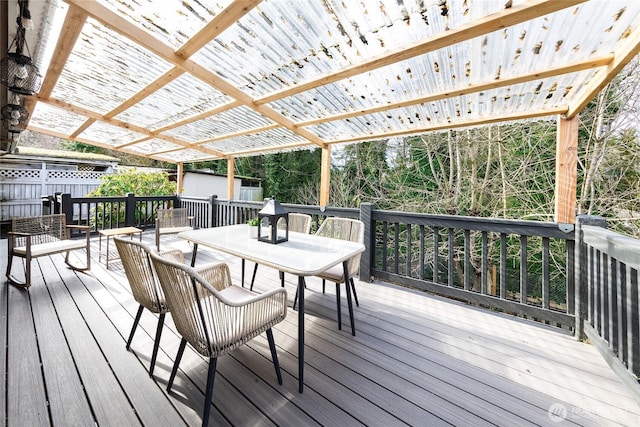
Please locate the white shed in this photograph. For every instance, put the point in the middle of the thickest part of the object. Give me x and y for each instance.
(203, 183)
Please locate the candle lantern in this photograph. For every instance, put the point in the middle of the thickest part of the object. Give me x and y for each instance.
(274, 223)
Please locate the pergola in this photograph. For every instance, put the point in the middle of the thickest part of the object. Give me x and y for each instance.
(192, 81)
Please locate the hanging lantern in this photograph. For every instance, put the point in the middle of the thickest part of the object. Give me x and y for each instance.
(17, 70)
(19, 74)
(14, 113)
(8, 145)
(273, 225)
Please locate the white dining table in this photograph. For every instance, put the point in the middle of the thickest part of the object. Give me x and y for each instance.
(302, 255)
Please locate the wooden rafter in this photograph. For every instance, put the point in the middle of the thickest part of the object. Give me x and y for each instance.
(456, 125)
(466, 90)
(508, 17)
(125, 28)
(628, 49)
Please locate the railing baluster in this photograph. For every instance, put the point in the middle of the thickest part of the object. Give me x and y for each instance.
(503, 265)
(436, 254)
(545, 273)
(384, 245)
(523, 269)
(421, 252)
(467, 260)
(408, 255)
(451, 260)
(633, 329)
(485, 263)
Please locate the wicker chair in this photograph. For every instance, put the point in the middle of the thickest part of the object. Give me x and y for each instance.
(37, 236)
(298, 222)
(345, 229)
(144, 285)
(172, 221)
(214, 316)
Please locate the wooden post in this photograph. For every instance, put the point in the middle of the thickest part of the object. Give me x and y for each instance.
(566, 170)
(179, 177)
(325, 176)
(230, 177)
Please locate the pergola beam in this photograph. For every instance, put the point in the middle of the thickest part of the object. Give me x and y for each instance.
(508, 17)
(566, 170)
(121, 26)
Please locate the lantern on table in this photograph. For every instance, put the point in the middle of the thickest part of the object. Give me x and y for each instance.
(273, 225)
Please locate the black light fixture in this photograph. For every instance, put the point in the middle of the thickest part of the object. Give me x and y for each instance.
(17, 70)
(14, 113)
(273, 225)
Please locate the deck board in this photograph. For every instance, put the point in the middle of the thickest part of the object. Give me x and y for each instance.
(65, 392)
(416, 359)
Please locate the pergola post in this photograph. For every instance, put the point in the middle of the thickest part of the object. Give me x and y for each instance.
(325, 176)
(566, 170)
(179, 178)
(231, 161)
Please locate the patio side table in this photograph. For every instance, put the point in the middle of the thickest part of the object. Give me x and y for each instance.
(124, 231)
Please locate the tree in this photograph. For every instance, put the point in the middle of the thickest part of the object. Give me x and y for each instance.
(137, 182)
(131, 181)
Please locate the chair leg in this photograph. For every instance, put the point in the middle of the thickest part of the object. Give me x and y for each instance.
(211, 376)
(274, 355)
(14, 281)
(339, 306)
(156, 344)
(295, 298)
(183, 344)
(27, 272)
(135, 325)
(353, 289)
(350, 305)
(323, 285)
(253, 278)
(282, 278)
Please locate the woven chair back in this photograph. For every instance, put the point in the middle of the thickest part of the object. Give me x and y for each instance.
(141, 275)
(344, 229)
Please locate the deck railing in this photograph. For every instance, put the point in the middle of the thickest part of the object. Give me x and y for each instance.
(608, 312)
(503, 264)
(532, 269)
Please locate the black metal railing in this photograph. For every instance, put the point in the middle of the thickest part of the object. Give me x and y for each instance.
(532, 269)
(607, 296)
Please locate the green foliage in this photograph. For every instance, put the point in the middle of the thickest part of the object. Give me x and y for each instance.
(283, 174)
(136, 182)
(131, 181)
(82, 148)
(253, 221)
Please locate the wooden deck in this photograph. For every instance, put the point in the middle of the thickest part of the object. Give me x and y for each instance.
(416, 360)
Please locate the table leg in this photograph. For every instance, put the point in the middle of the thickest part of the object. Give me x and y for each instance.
(349, 303)
(193, 256)
(242, 275)
(107, 253)
(300, 333)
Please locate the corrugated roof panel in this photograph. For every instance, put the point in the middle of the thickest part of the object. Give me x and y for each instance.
(481, 60)
(228, 122)
(153, 146)
(105, 69)
(184, 156)
(105, 133)
(296, 41)
(409, 79)
(173, 22)
(182, 98)
(65, 122)
(273, 138)
(570, 35)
